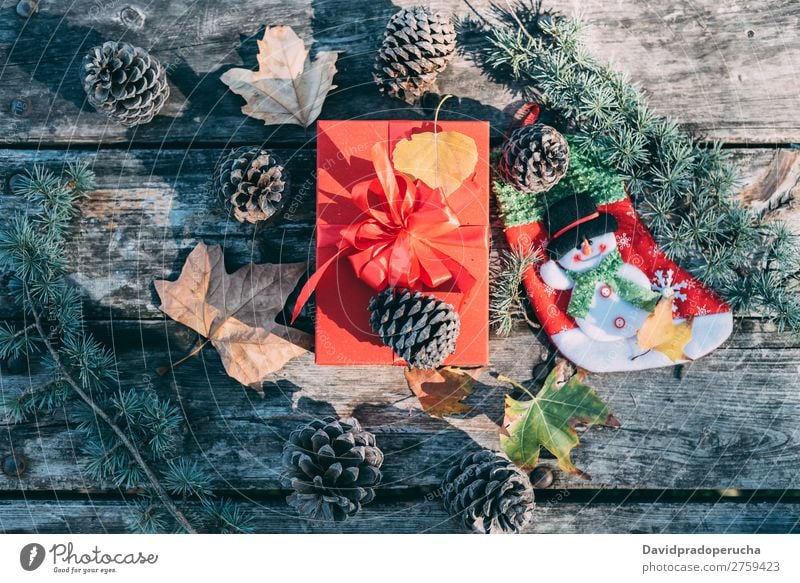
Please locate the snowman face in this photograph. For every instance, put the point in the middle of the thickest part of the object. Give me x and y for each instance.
(588, 256)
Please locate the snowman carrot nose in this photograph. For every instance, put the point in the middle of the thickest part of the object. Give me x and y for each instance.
(586, 248)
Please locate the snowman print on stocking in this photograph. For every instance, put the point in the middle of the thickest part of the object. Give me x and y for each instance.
(611, 299)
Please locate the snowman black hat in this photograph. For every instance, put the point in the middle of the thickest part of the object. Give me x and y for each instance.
(571, 220)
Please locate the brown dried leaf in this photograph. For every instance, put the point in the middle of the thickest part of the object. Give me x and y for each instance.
(776, 185)
(442, 391)
(287, 87)
(236, 312)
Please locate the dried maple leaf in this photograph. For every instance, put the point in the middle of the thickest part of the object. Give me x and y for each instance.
(236, 312)
(288, 86)
(548, 420)
(660, 333)
(442, 391)
(439, 159)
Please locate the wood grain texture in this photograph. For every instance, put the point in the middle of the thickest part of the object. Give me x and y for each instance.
(731, 421)
(153, 206)
(713, 62)
(728, 422)
(426, 516)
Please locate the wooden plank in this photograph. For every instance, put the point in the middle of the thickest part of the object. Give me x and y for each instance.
(426, 516)
(153, 206)
(705, 63)
(731, 421)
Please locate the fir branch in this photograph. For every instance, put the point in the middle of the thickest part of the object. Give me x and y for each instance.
(683, 190)
(132, 435)
(16, 342)
(155, 484)
(508, 299)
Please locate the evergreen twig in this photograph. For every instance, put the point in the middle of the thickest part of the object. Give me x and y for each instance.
(132, 435)
(155, 484)
(684, 191)
(508, 300)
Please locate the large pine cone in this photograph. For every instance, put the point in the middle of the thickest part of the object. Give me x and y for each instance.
(421, 329)
(535, 157)
(417, 46)
(251, 183)
(488, 494)
(124, 82)
(333, 467)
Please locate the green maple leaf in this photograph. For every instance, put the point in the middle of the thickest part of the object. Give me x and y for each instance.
(548, 420)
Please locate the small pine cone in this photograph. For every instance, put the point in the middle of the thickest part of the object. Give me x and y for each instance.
(333, 466)
(124, 82)
(417, 46)
(535, 157)
(421, 329)
(488, 494)
(251, 183)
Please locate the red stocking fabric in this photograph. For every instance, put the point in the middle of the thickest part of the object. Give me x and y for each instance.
(711, 318)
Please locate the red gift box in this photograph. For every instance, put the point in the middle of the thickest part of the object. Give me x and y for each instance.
(343, 333)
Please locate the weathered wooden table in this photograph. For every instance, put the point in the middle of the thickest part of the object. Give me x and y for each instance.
(714, 448)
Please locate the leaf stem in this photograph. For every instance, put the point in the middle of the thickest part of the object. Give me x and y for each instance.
(162, 370)
(129, 445)
(508, 380)
(436, 113)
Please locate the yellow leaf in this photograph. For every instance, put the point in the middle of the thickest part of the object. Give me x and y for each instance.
(660, 333)
(287, 87)
(439, 159)
(236, 312)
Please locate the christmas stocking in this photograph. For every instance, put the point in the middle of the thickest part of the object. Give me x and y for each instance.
(605, 294)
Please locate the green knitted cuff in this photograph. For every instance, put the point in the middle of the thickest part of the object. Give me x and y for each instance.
(585, 176)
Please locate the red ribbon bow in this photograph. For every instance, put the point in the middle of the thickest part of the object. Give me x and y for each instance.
(400, 241)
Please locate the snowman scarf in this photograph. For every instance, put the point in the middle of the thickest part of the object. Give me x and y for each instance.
(608, 273)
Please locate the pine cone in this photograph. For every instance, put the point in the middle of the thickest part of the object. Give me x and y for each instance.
(333, 467)
(535, 157)
(124, 82)
(417, 46)
(488, 493)
(251, 184)
(421, 329)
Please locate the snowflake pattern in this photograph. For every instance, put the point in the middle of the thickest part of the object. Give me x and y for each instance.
(549, 290)
(624, 241)
(666, 284)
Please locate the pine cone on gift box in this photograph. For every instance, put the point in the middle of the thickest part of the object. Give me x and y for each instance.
(421, 329)
(251, 183)
(333, 467)
(417, 46)
(488, 494)
(124, 82)
(534, 158)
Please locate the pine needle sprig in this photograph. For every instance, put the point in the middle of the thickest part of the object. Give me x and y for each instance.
(131, 436)
(684, 191)
(508, 300)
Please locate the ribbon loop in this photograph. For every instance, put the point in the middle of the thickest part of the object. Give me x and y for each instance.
(403, 238)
